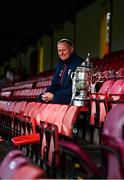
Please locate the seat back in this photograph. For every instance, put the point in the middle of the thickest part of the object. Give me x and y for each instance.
(49, 147)
(116, 93)
(114, 123)
(44, 113)
(53, 112)
(28, 109)
(120, 73)
(106, 87)
(11, 163)
(29, 171)
(19, 107)
(118, 87)
(100, 107)
(39, 115)
(53, 159)
(69, 120)
(60, 117)
(35, 109)
(79, 162)
(113, 159)
(113, 145)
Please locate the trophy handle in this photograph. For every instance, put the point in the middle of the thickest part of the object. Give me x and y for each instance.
(97, 74)
(93, 85)
(73, 74)
(73, 77)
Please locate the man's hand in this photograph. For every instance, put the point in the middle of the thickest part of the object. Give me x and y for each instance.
(46, 97)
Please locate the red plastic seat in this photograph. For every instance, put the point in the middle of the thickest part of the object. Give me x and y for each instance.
(80, 164)
(32, 136)
(49, 148)
(60, 117)
(53, 113)
(26, 139)
(101, 95)
(120, 73)
(29, 171)
(7, 118)
(17, 114)
(98, 111)
(40, 113)
(11, 163)
(43, 113)
(69, 120)
(113, 144)
(27, 121)
(116, 93)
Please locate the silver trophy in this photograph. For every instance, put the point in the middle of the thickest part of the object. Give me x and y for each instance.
(82, 82)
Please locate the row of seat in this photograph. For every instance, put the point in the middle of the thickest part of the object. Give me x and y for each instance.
(30, 93)
(43, 81)
(20, 117)
(27, 94)
(110, 93)
(27, 125)
(111, 147)
(111, 66)
(27, 90)
(57, 154)
(21, 120)
(99, 107)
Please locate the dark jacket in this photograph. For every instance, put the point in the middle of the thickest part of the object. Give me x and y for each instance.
(61, 85)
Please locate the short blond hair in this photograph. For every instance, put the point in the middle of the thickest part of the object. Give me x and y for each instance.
(65, 40)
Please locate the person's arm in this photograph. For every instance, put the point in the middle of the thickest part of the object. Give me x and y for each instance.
(48, 95)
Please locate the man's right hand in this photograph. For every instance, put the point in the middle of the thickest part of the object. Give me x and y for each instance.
(46, 97)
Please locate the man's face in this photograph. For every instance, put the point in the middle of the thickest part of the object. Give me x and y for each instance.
(64, 50)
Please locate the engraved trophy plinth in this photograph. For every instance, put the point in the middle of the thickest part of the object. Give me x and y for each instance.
(81, 83)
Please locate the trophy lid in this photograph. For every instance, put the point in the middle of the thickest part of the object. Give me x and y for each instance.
(87, 63)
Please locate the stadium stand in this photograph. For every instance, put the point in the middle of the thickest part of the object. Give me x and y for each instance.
(54, 135)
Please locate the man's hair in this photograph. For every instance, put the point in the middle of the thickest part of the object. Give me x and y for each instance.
(67, 41)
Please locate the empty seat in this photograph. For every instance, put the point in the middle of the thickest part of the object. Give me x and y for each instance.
(11, 163)
(69, 120)
(49, 148)
(116, 93)
(29, 171)
(16, 166)
(78, 161)
(113, 143)
(101, 95)
(98, 111)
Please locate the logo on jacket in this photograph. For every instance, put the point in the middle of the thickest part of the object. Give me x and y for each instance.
(69, 71)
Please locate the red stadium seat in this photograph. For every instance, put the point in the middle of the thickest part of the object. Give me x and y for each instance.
(113, 144)
(69, 120)
(60, 117)
(102, 94)
(29, 171)
(16, 166)
(81, 165)
(49, 148)
(116, 93)
(13, 160)
(98, 111)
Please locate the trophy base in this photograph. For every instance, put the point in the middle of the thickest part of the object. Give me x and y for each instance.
(80, 102)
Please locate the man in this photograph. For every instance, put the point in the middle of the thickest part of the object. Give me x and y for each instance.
(60, 91)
